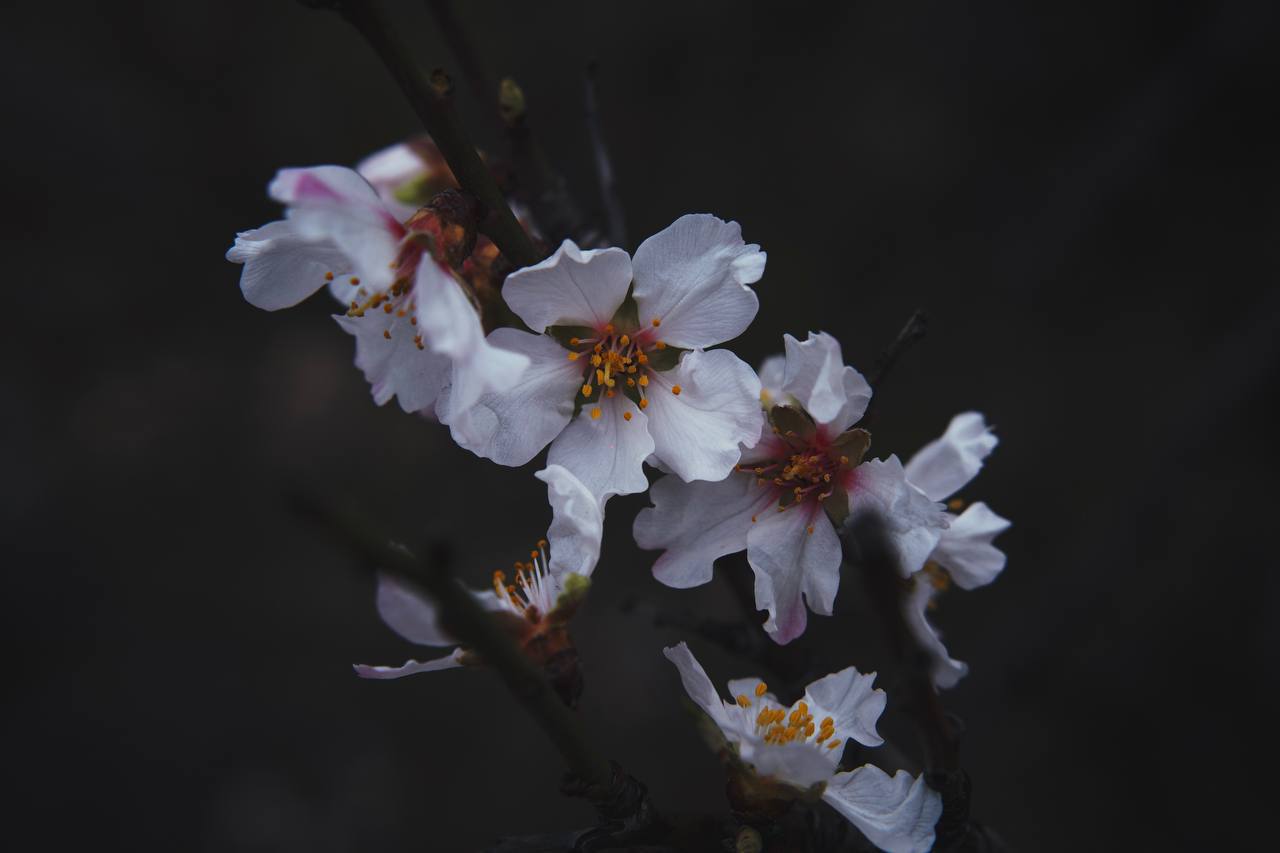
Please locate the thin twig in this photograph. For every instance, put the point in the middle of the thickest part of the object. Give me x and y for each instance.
(614, 219)
(913, 331)
(483, 85)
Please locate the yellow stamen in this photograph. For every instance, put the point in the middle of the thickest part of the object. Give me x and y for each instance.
(586, 390)
(608, 329)
(328, 276)
(573, 342)
(624, 340)
(743, 701)
(626, 416)
(355, 280)
(644, 381)
(595, 413)
(573, 356)
(661, 344)
(644, 404)
(656, 322)
(675, 389)
(761, 688)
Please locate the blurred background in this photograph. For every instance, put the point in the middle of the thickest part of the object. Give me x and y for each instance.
(1081, 197)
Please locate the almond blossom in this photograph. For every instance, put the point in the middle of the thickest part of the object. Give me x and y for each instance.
(416, 330)
(535, 604)
(783, 502)
(799, 746)
(618, 374)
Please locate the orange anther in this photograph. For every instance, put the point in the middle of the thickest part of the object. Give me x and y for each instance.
(626, 416)
(675, 389)
(595, 413)
(656, 322)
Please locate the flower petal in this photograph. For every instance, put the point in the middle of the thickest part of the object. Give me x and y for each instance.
(692, 276)
(606, 453)
(697, 432)
(793, 565)
(395, 367)
(817, 377)
(914, 523)
(409, 613)
(852, 703)
(511, 426)
(946, 671)
(798, 764)
(965, 548)
(697, 684)
(943, 466)
(412, 667)
(572, 287)
(392, 168)
(281, 267)
(896, 813)
(696, 523)
(577, 524)
(772, 373)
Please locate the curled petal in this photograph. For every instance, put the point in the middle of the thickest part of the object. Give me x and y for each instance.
(943, 466)
(852, 703)
(945, 670)
(577, 525)
(572, 287)
(965, 548)
(913, 522)
(817, 377)
(896, 813)
(281, 267)
(409, 613)
(392, 362)
(413, 667)
(793, 565)
(772, 373)
(696, 683)
(604, 449)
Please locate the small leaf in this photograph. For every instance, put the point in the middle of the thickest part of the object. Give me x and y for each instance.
(791, 420)
(854, 444)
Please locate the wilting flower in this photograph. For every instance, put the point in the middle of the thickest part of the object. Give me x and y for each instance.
(416, 331)
(800, 747)
(618, 373)
(804, 476)
(535, 602)
(965, 553)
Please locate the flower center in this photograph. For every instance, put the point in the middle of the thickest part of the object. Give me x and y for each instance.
(777, 725)
(532, 595)
(616, 362)
(801, 471)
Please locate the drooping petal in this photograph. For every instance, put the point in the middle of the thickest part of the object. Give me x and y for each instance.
(577, 523)
(943, 466)
(510, 427)
(606, 453)
(390, 169)
(817, 377)
(772, 374)
(793, 564)
(896, 813)
(945, 670)
(696, 683)
(409, 613)
(851, 701)
(281, 267)
(913, 522)
(692, 276)
(572, 287)
(798, 764)
(696, 523)
(965, 548)
(697, 432)
(334, 203)
(412, 667)
(394, 366)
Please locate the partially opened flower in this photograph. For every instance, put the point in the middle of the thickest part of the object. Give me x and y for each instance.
(799, 746)
(416, 330)
(618, 373)
(535, 602)
(407, 174)
(804, 476)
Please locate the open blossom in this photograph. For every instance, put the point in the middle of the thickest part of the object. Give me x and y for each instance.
(416, 331)
(618, 374)
(535, 602)
(965, 553)
(800, 746)
(782, 503)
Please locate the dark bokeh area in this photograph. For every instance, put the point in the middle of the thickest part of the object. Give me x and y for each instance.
(1080, 196)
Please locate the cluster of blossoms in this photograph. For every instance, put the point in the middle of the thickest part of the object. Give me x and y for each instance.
(609, 359)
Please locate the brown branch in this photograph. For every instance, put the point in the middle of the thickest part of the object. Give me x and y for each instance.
(483, 85)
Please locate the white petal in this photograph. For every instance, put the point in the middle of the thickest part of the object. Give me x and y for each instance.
(409, 613)
(817, 377)
(510, 427)
(697, 433)
(577, 524)
(391, 168)
(696, 683)
(914, 523)
(772, 373)
(281, 267)
(946, 671)
(798, 764)
(965, 548)
(572, 288)
(692, 275)
(334, 203)
(850, 700)
(896, 813)
(606, 453)
(793, 565)
(696, 523)
(943, 466)
(395, 367)
(413, 667)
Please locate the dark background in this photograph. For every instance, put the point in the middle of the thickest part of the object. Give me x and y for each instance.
(1080, 195)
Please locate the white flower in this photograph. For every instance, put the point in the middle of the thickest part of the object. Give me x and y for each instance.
(779, 503)
(416, 332)
(801, 746)
(536, 601)
(609, 384)
(965, 552)
(406, 175)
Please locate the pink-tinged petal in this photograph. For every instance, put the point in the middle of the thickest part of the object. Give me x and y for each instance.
(511, 426)
(692, 277)
(896, 813)
(570, 288)
(853, 704)
(697, 432)
(913, 522)
(577, 525)
(697, 684)
(773, 371)
(413, 667)
(818, 379)
(696, 523)
(793, 564)
(394, 366)
(334, 203)
(946, 671)
(410, 613)
(943, 466)
(965, 548)
(390, 169)
(281, 267)
(606, 453)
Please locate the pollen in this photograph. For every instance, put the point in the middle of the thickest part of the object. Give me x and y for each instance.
(600, 380)
(743, 701)
(355, 280)
(761, 689)
(573, 342)
(626, 416)
(833, 744)
(624, 340)
(586, 390)
(656, 322)
(595, 413)
(386, 333)
(955, 504)
(644, 381)
(642, 358)
(596, 360)
(676, 389)
(328, 276)
(661, 345)
(608, 329)
(573, 356)
(644, 404)
(631, 383)
(809, 530)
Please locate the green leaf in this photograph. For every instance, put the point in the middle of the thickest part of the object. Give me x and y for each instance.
(665, 358)
(789, 420)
